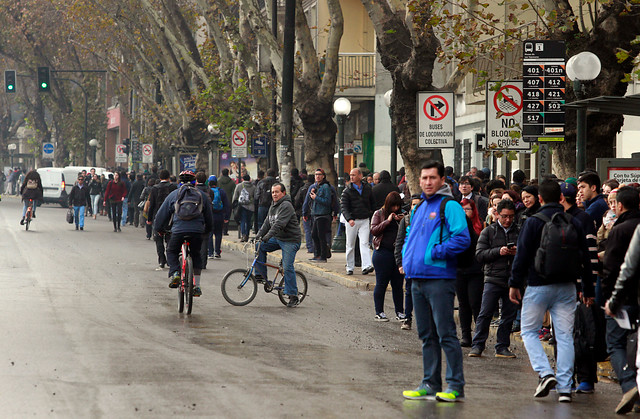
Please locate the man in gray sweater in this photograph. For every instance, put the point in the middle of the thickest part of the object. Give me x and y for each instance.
(280, 230)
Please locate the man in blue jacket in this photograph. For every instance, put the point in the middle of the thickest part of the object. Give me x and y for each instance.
(194, 229)
(429, 259)
(555, 293)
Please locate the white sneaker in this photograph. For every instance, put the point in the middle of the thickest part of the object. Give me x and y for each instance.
(401, 317)
(381, 317)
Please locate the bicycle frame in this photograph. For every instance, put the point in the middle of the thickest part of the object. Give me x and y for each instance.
(278, 268)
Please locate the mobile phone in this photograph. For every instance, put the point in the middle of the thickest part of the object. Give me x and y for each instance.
(510, 245)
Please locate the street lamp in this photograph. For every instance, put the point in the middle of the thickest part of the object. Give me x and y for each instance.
(394, 148)
(342, 108)
(214, 130)
(582, 67)
(94, 145)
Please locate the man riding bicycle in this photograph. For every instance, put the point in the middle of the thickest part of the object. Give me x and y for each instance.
(193, 228)
(280, 230)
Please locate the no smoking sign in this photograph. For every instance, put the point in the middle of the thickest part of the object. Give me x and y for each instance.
(239, 143)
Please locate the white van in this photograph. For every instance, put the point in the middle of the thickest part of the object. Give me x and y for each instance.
(71, 174)
(53, 185)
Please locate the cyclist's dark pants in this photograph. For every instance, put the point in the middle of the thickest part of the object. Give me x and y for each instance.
(173, 251)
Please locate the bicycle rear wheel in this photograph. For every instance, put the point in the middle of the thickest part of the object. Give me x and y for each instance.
(181, 293)
(301, 282)
(238, 287)
(188, 284)
(27, 220)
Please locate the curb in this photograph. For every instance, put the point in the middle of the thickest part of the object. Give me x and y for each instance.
(308, 268)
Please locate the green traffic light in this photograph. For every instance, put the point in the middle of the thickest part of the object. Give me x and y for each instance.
(10, 87)
(44, 85)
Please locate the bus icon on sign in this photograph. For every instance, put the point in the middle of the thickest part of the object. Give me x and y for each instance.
(528, 47)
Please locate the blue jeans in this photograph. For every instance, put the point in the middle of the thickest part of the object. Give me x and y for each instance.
(560, 301)
(26, 205)
(617, 348)
(94, 204)
(245, 221)
(262, 214)
(433, 308)
(125, 210)
(308, 239)
(289, 250)
(78, 213)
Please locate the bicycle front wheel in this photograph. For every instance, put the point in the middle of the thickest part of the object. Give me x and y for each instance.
(239, 288)
(181, 293)
(301, 282)
(188, 284)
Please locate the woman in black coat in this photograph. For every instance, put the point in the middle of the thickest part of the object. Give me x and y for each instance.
(31, 189)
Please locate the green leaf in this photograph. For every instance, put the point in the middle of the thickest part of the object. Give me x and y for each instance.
(622, 55)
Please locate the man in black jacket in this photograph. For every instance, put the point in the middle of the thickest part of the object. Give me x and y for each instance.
(628, 218)
(496, 250)
(158, 194)
(382, 189)
(356, 205)
(134, 198)
(467, 187)
(78, 199)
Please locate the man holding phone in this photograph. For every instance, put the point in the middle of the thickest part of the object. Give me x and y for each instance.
(495, 250)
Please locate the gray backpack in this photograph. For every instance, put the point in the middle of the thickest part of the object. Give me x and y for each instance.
(189, 203)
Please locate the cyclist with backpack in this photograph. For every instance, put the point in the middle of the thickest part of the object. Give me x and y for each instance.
(552, 252)
(187, 212)
(221, 214)
(31, 189)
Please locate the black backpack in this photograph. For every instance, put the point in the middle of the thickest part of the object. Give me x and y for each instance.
(163, 192)
(189, 203)
(558, 256)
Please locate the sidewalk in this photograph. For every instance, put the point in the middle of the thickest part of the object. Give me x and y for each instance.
(334, 270)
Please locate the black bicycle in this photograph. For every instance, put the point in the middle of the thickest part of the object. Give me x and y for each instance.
(240, 286)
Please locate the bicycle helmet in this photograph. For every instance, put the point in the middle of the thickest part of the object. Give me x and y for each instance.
(187, 176)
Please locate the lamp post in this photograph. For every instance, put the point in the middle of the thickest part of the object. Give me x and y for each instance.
(214, 130)
(393, 164)
(94, 145)
(342, 108)
(581, 68)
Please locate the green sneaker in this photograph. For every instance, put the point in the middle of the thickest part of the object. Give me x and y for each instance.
(175, 280)
(423, 392)
(450, 396)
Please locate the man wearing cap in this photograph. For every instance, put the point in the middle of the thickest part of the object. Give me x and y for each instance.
(586, 366)
(221, 214)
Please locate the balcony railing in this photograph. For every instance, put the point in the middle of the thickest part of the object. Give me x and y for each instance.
(356, 70)
(509, 67)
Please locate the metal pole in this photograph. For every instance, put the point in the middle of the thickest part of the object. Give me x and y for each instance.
(581, 130)
(339, 241)
(86, 110)
(394, 150)
(272, 152)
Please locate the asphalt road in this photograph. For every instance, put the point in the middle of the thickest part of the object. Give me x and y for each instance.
(90, 329)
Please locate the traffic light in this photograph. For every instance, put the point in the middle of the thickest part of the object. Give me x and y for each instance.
(43, 79)
(10, 81)
(126, 142)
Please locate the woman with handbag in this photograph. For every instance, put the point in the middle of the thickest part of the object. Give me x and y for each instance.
(115, 194)
(384, 229)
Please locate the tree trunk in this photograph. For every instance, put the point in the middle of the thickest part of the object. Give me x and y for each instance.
(319, 137)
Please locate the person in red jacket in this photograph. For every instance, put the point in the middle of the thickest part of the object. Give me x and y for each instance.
(115, 194)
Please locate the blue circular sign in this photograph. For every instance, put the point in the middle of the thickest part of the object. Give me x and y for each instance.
(48, 148)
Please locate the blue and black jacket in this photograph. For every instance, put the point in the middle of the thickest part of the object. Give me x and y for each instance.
(424, 256)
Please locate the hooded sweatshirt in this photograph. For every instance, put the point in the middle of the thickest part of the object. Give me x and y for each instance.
(423, 256)
(281, 222)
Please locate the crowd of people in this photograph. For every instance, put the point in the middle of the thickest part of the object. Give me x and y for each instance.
(555, 260)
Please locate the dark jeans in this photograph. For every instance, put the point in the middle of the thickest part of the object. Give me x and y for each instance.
(408, 300)
(262, 214)
(491, 295)
(116, 213)
(387, 273)
(149, 228)
(218, 227)
(173, 251)
(321, 225)
(469, 292)
(203, 249)
(161, 241)
(433, 307)
(308, 239)
(617, 348)
(245, 221)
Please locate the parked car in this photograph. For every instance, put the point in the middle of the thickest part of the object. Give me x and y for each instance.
(53, 185)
